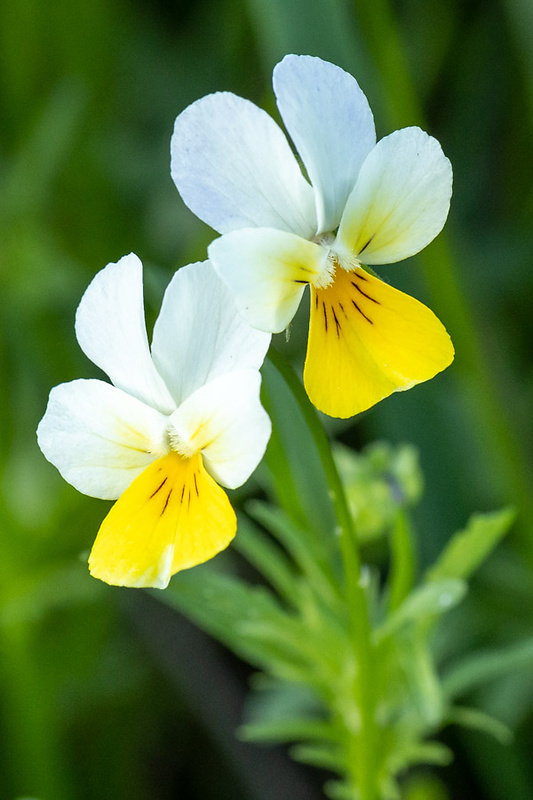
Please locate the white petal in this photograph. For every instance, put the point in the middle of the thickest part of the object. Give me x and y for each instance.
(267, 271)
(226, 421)
(99, 437)
(234, 168)
(111, 331)
(329, 119)
(199, 333)
(401, 199)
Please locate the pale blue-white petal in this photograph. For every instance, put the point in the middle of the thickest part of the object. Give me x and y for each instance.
(400, 201)
(111, 330)
(227, 423)
(267, 271)
(234, 168)
(99, 437)
(329, 119)
(199, 333)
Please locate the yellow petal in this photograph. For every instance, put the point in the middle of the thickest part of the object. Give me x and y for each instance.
(173, 516)
(367, 340)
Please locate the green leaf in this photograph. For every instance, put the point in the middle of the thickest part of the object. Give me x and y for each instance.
(423, 603)
(470, 547)
(425, 704)
(338, 790)
(267, 558)
(250, 621)
(220, 604)
(477, 720)
(325, 756)
(287, 730)
(315, 556)
(419, 753)
(479, 668)
(296, 473)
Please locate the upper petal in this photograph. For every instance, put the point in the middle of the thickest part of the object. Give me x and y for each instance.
(199, 333)
(99, 437)
(111, 330)
(331, 124)
(401, 199)
(267, 271)
(234, 168)
(227, 423)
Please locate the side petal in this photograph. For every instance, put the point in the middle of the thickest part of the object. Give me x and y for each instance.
(330, 122)
(367, 340)
(100, 438)
(173, 516)
(400, 201)
(267, 271)
(111, 330)
(227, 423)
(199, 334)
(234, 168)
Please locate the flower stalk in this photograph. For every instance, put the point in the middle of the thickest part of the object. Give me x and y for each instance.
(358, 716)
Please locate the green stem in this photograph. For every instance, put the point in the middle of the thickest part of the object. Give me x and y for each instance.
(473, 364)
(361, 739)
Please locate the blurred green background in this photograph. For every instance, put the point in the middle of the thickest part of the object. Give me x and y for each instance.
(104, 693)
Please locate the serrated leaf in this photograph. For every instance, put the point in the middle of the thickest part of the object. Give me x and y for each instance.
(470, 547)
(422, 603)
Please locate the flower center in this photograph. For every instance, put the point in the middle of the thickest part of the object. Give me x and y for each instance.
(334, 258)
(179, 442)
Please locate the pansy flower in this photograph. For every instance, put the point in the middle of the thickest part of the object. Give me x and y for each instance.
(178, 420)
(359, 204)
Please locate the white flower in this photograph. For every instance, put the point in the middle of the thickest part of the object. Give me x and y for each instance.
(366, 203)
(177, 421)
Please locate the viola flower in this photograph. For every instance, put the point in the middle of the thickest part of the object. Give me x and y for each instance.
(179, 420)
(365, 203)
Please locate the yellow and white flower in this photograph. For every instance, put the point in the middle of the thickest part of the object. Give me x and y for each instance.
(180, 419)
(365, 203)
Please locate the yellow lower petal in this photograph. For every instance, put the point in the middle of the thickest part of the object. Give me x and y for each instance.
(173, 516)
(367, 340)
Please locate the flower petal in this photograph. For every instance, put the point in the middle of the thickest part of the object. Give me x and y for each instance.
(267, 271)
(199, 334)
(173, 516)
(401, 199)
(330, 122)
(367, 340)
(111, 331)
(234, 168)
(100, 438)
(226, 421)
